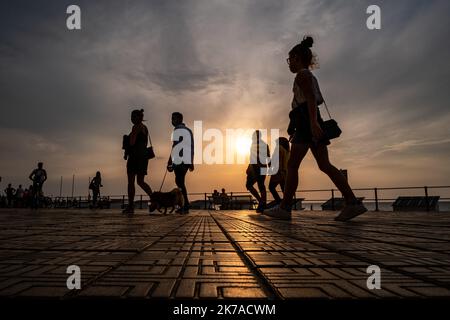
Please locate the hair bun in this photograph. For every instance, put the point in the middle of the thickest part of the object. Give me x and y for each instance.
(142, 110)
(307, 42)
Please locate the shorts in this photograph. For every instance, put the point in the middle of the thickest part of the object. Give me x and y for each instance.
(300, 119)
(137, 165)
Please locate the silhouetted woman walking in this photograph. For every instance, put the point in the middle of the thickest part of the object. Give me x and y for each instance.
(308, 134)
(137, 158)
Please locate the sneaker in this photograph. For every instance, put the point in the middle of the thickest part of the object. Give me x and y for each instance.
(260, 208)
(278, 213)
(273, 204)
(128, 210)
(351, 211)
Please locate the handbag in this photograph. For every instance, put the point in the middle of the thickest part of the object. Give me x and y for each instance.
(330, 127)
(150, 153)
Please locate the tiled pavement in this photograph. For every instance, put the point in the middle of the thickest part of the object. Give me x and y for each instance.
(223, 254)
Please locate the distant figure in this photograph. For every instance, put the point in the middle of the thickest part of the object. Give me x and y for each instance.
(38, 176)
(19, 196)
(10, 191)
(29, 201)
(279, 178)
(253, 172)
(180, 163)
(137, 162)
(306, 133)
(26, 197)
(215, 199)
(95, 185)
(225, 200)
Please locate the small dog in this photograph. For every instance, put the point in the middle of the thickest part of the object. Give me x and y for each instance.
(159, 200)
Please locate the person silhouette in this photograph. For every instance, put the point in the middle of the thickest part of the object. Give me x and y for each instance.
(253, 171)
(137, 158)
(38, 176)
(181, 163)
(19, 196)
(279, 178)
(224, 200)
(9, 191)
(95, 185)
(306, 133)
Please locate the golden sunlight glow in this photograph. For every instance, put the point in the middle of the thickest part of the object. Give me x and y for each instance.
(243, 145)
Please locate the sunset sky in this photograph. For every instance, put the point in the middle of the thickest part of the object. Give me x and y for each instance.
(66, 96)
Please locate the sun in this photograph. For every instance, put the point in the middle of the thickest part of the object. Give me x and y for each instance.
(243, 145)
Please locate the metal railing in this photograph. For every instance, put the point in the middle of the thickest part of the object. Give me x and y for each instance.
(372, 195)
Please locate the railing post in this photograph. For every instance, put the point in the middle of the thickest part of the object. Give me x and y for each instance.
(231, 201)
(376, 199)
(140, 202)
(79, 203)
(426, 198)
(123, 202)
(205, 206)
(332, 199)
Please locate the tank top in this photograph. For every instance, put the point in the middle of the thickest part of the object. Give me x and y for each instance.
(140, 146)
(299, 97)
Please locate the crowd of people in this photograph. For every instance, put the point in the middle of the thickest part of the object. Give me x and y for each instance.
(31, 197)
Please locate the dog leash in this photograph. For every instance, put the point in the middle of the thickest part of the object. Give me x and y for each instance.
(164, 179)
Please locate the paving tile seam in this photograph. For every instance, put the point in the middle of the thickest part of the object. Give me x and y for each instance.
(395, 234)
(185, 264)
(361, 237)
(379, 240)
(92, 281)
(270, 290)
(354, 256)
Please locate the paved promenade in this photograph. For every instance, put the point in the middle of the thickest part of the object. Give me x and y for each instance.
(223, 254)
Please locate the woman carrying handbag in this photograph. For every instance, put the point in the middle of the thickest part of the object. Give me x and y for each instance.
(309, 131)
(138, 155)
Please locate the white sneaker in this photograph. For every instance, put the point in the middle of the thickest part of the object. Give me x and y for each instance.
(278, 213)
(350, 211)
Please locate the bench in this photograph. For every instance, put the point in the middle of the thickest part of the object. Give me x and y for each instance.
(336, 204)
(242, 202)
(417, 203)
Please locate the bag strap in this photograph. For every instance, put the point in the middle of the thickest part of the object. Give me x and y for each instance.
(326, 107)
(149, 139)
